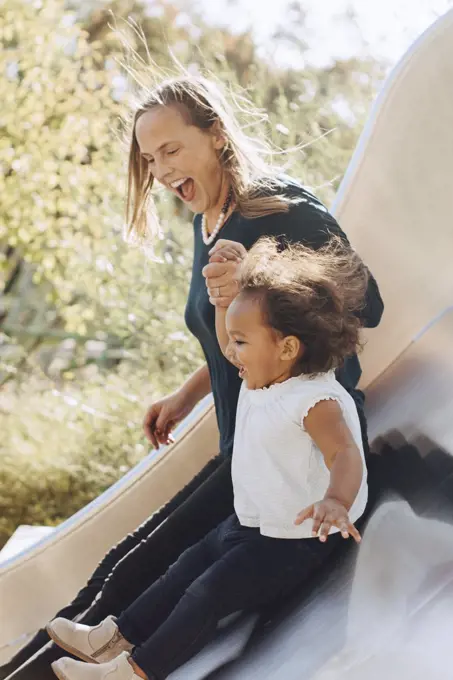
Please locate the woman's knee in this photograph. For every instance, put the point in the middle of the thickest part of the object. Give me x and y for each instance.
(129, 575)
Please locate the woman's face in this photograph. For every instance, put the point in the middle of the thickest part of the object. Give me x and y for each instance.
(182, 157)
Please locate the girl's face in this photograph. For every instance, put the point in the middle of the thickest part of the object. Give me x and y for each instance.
(262, 355)
(183, 158)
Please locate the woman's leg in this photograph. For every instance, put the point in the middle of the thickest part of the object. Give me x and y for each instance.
(254, 570)
(85, 598)
(207, 503)
(88, 593)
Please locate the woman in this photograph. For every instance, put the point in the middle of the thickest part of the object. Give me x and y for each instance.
(186, 136)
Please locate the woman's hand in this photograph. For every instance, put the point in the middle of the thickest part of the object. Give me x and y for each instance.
(325, 514)
(222, 271)
(163, 416)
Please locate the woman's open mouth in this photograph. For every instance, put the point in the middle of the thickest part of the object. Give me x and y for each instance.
(185, 188)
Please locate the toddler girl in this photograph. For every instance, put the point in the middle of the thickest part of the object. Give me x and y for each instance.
(297, 457)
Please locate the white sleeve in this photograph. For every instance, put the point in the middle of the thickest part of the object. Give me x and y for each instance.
(313, 399)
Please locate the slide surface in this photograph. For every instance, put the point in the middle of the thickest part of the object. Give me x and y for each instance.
(396, 205)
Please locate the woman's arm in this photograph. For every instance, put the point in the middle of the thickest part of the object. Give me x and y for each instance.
(197, 386)
(165, 414)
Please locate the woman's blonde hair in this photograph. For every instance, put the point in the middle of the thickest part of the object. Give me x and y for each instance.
(246, 160)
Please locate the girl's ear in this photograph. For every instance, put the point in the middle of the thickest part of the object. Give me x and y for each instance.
(291, 348)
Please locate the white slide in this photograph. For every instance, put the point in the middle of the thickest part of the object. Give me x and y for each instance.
(396, 205)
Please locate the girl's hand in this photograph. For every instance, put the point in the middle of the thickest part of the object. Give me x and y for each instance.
(325, 514)
(225, 250)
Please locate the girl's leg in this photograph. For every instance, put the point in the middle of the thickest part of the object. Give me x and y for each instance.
(209, 504)
(250, 574)
(139, 621)
(206, 502)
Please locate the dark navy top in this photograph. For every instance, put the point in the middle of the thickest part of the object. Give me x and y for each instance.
(307, 222)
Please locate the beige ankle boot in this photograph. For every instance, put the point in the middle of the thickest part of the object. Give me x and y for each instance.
(94, 644)
(117, 669)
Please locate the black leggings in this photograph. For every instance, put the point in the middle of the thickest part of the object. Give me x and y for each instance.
(138, 560)
(142, 557)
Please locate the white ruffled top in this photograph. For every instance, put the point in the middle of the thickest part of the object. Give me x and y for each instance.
(277, 468)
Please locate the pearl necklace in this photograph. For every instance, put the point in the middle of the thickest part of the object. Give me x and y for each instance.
(209, 238)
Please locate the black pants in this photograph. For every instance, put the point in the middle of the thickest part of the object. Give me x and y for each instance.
(138, 560)
(142, 557)
(233, 568)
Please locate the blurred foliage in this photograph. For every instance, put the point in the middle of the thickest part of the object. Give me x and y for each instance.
(92, 329)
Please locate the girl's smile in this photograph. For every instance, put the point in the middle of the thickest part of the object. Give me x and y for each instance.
(254, 348)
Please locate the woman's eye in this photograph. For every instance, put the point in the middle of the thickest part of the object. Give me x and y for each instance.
(239, 342)
(173, 152)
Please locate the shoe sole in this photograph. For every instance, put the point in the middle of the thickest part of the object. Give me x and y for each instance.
(72, 650)
(60, 675)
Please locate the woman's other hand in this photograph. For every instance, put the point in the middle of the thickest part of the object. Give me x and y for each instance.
(163, 416)
(221, 273)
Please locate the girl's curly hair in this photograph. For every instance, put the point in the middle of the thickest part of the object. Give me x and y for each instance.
(314, 295)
